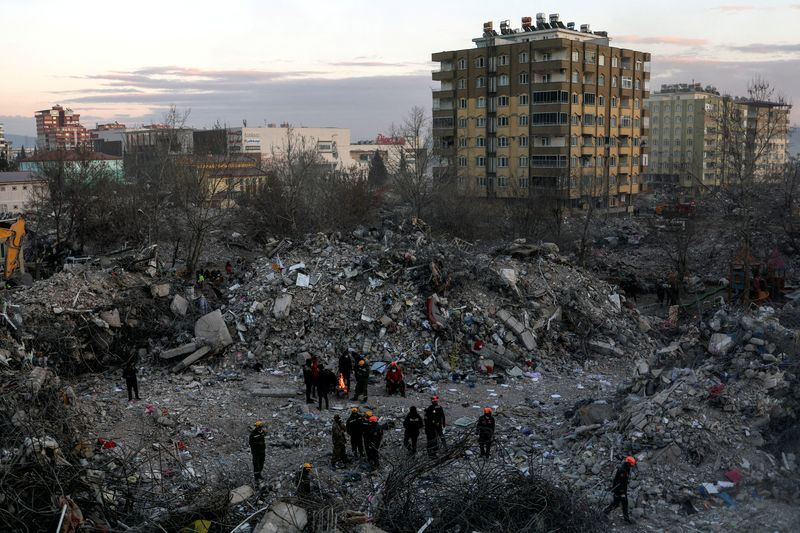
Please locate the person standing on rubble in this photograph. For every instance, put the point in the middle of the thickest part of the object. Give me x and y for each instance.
(619, 487)
(304, 480)
(308, 380)
(314, 374)
(258, 447)
(131, 381)
(485, 430)
(434, 426)
(362, 380)
(356, 435)
(372, 441)
(346, 367)
(325, 380)
(394, 380)
(339, 435)
(412, 424)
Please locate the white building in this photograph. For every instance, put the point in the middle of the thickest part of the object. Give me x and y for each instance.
(17, 191)
(332, 143)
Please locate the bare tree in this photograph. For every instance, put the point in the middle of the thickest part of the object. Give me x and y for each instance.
(410, 163)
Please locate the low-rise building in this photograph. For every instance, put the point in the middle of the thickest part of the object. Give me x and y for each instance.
(108, 138)
(17, 191)
(272, 140)
(75, 160)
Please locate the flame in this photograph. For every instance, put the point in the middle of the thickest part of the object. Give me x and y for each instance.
(342, 386)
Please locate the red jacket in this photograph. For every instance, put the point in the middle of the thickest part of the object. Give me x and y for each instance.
(394, 374)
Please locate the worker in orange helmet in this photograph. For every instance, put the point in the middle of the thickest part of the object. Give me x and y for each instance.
(434, 426)
(372, 441)
(485, 430)
(394, 380)
(362, 379)
(619, 487)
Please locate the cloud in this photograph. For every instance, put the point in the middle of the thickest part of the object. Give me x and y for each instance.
(763, 48)
(367, 63)
(735, 8)
(662, 39)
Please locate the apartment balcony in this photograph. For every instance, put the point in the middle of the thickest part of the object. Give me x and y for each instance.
(443, 75)
(550, 129)
(551, 65)
(443, 57)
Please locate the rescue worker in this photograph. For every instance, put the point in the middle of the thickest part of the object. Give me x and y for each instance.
(485, 430)
(372, 441)
(131, 382)
(229, 269)
(258, 447)
(346, 367)
(308, 380)
(434, 426)
(314, 374)
(354, 430)
(362, 379)
(339, 434)
(394, 380)
(304, 480)
(325, 380)
(412, 424)
(619, 487)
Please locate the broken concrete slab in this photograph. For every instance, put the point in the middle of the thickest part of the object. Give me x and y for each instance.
(196, 356)
(180, 350)
(240, 494)
(595, 413)
(212, 328)
(720, 343)
(282, 306)
(605, 348)
(179, 305)
(111, 318)
(283, 517)
(160, 290)
(525, 336)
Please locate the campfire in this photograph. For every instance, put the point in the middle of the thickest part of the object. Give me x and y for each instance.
(341, 386)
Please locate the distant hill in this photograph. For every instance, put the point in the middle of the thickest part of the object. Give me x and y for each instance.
(21, 140)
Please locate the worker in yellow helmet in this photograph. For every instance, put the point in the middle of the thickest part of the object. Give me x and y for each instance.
(258, 447)
(362, 378)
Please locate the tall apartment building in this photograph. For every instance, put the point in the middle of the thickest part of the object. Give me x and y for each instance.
(59, 128)
(5, 146)
(543, 110)
(694, 129)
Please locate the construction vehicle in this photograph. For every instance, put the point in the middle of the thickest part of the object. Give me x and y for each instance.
(11, 240)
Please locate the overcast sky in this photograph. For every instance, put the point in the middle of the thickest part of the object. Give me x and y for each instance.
(356, 64)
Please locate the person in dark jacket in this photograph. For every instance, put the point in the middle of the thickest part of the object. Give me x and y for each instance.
(395, 382)
(258, 447)
(346, 367)
(353, 425)
(325, 381)
(131, 382)
(304, 480)
(619, 487)
(434, 426)
(372, 441)
(412, 424)
(308, 380)
(314, 374)
(339, 435)
(485, 430)
(362, 379)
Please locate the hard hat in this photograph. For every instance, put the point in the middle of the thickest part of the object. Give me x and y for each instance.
(307, 466)
(373, 419)
(487, 410)
(354, 410)
(259, 423)
(393, 363)
(434, 398)
(368, 414)
(361, 362)
(631, 460)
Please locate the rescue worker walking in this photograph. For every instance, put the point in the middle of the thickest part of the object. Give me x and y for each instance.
(362, 379)
(434, 426)
(354, 430)
(131, 382)
(308, 380)
(412, 424)
(346, 367)
(339, 434)
(485, 430)
(619, 487)
(325, 380)
(394, 380)
(258, 447)
(304, 480)
(372, 441)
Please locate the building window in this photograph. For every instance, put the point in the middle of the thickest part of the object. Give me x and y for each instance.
(502, 142)
(502, 101)
(601, 100)
(502, 121)
(462, 103)
(523, 78)
(601, 120)
(502, 181)
(548, 161)
(588, 119)
(588, 99)
(573, 119)
(462, 142)
(480, 122)
(573, 162)
(523, 57)
(546, 56)
(601, 80)
(690, 108)
(523, 141)
(462, 123)
(503, 81)
(573, 141)
(480, 62)
(545, 141)
(546, 78)
(601, 60)
(462, 83)
(462, 161)
(524, 182)
(550, 97)
(575, 56)
(613, 121)
(482, 182)
(574, 76)
(502, 60)
(502, 162)
(544, 119)
(574, 98)
(480, 82)
(613, 101)
(462, 64)
(614, 62)
(481, 102)
(638, 84)
(625, 121)
(638, 65)
(523, 120)
(627, 82)
(523, 99)
(480, 161)
(636, 122)
(14, 188)
(480, 142)
(636, 103)
(613, 81)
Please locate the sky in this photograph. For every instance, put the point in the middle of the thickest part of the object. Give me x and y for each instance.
(345, 63)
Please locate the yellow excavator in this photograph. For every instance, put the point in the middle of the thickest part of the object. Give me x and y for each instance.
(11, 238)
